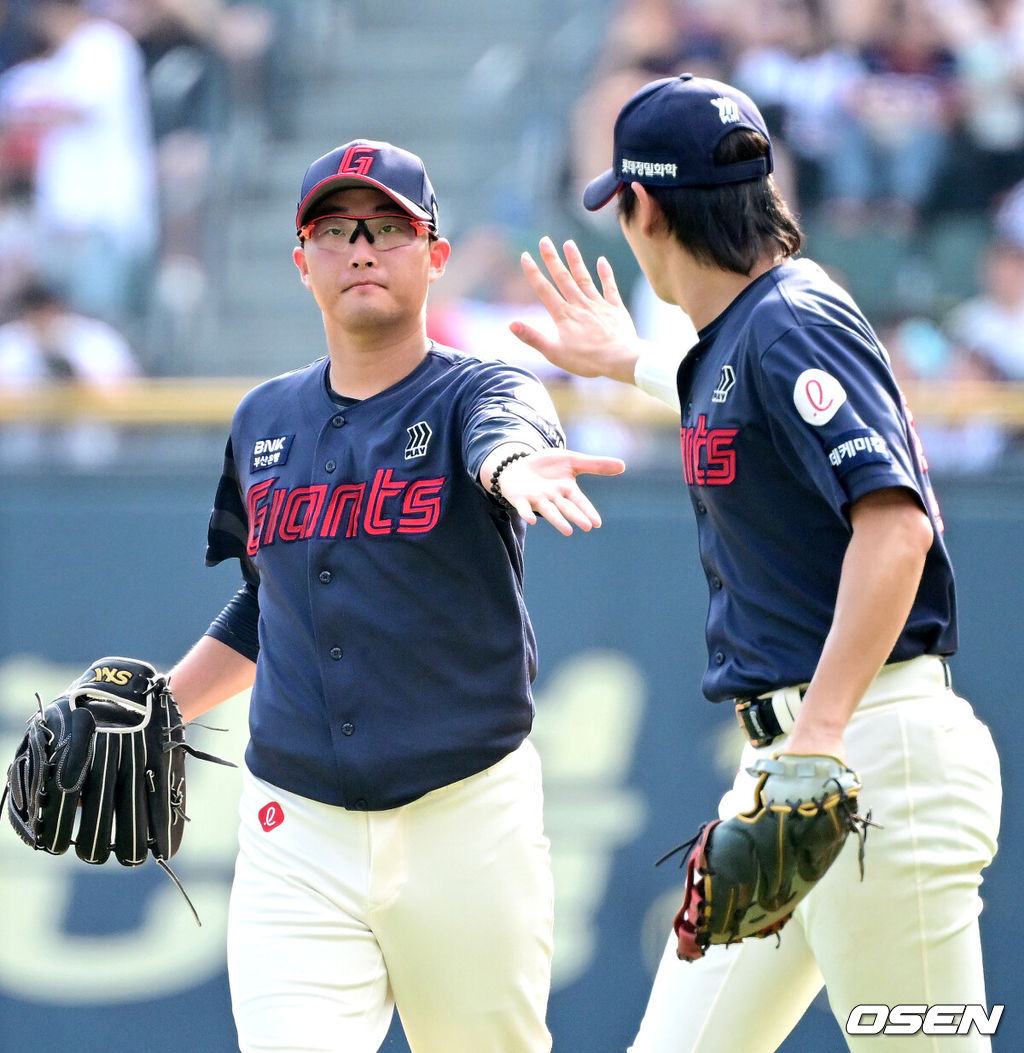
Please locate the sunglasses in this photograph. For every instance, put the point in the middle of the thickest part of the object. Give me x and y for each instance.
(385, 230)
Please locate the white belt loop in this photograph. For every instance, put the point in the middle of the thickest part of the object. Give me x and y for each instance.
(786, 703)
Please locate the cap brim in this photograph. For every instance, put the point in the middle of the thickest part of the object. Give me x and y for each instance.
(335, 183)
(601, 190)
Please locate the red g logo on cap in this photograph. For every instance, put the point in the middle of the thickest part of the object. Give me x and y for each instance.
(271, 816)
(358, 161)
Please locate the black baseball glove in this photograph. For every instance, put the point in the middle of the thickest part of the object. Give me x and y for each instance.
(109, 752)
(745, 875)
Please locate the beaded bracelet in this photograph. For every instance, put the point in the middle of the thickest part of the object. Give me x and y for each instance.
(496, 486)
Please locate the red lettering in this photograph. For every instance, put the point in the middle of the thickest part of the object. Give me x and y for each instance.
(256, 508)
(686, 437)
(302, 511)
(374, 522)
(317, 510)
(700, 438)
(721, 457)
(270, 527)
(346, 494)
(709, 458)
(358, 160)
(816, 395)
(421, 507)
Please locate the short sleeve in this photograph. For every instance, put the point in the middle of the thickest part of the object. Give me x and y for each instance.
(228, 531)
(833, 402)
(508, 404)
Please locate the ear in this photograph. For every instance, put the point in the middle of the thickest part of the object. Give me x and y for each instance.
(440, 251)
(648, 217)
(299, 257)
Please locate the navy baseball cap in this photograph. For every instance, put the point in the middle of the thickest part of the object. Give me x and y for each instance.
(667, 133)
(364, 162)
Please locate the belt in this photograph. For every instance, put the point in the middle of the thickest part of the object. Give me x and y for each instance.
(767, 717)
(771, 715)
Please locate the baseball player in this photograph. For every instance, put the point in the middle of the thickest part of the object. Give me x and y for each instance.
(832, 608)
(391, 849)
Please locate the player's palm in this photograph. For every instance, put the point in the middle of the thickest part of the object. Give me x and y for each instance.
(595, 335)
(545, 484)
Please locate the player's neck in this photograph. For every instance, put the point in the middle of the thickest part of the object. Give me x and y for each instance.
(364, 367)
(705, 292)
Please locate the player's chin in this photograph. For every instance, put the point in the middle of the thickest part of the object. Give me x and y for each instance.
(367, 312)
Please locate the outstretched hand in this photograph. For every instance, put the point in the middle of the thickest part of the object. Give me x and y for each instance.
(544, 484)
(595, 336)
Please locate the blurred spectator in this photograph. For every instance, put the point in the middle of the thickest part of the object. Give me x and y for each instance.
(48, 343)
(188, 90)
(254, 37)
(18, 40)
(987, 37)
(921, 351)
(1009, 214)
(483, 290)
(644, 40)
(94, 205)
(18, 245)
(990, 326)
(894, 125)
(798, 67)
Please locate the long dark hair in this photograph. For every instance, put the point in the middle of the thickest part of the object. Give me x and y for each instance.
(733, 225)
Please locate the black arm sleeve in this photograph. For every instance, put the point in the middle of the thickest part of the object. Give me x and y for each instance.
(238, 624)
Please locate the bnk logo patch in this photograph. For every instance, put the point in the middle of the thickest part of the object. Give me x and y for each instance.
(269, 453)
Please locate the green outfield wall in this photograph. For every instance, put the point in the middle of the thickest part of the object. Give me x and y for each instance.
(111, 562)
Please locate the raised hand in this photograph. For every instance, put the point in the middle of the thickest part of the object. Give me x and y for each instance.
(595, 336)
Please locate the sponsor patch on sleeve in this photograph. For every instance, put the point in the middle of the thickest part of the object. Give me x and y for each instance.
(854, 449)
(270, 452)
(817, 396)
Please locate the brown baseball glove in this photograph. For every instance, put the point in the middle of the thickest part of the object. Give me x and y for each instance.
(745, 875)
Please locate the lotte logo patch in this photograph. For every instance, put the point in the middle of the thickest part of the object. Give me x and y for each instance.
(271, 816)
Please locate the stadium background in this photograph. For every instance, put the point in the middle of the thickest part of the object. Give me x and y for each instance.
(106, 556)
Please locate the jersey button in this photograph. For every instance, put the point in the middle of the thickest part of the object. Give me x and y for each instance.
(361, 804)
(719, 658)
(338, 421)
(336, 653)
(702, 509)
(325, 577)
(330, 466)
(348, 729)
(716, 581)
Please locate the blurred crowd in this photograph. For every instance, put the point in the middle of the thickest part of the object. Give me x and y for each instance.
(115, 116)
(899, 138)
(898, 127)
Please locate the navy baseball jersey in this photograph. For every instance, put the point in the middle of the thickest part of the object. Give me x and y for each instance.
(790, 413)
(395, 654)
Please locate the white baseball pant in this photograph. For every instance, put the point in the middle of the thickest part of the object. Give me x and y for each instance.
(907, 933)
(443, 906)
